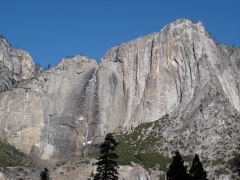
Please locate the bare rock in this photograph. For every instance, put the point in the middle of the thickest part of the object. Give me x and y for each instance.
(2, 176)
(15, 65)
(42, 115)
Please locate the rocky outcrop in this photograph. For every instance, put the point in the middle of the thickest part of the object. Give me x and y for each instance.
(41, 115)
(15, 65)
(179, 71)
(2, 177)
(163, 72)
(77, 170)
(135, 172)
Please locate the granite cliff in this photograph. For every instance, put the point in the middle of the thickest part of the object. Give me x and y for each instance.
(180, 71)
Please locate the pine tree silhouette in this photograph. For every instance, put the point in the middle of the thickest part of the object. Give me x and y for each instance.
(196, 171)
(45, 174)
(235, 164)
(107, 166)
(177, 170)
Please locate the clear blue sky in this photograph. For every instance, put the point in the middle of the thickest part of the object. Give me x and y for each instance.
(53, 29)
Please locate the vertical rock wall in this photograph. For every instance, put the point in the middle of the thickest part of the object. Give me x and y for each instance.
(163, 72)
(64, 110)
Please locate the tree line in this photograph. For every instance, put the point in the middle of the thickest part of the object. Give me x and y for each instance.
(178, 171)
(107, 167)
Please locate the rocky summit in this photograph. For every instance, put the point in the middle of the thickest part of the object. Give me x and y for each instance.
(180, 72)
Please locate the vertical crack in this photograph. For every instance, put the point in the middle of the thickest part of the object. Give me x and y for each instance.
(136, 73)
(151, 56)
(190, 71)
(117, 51)
(194, 53)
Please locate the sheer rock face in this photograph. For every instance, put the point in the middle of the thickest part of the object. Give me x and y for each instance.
(175, 70)
(15, 65)
(42, 115)
(179, 71)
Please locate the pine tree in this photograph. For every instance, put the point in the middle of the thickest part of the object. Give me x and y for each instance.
(45, 174)
(235, 164)
(177, 170)
(107, 166)
(196, 171)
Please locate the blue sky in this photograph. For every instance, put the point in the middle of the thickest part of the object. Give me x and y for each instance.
(53, 29)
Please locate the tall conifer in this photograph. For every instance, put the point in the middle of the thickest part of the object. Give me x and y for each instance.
(177, 170)
(196, 171)
(106, 165)
(45, 174)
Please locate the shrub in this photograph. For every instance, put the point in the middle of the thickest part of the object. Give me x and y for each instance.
(10, 156)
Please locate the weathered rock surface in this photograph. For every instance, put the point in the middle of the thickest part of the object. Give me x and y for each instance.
(41, 115)
(163, 72)
(2, 176)
(15, 65)
(179, 71)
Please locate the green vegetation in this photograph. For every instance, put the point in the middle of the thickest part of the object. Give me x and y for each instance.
(218, 161)
(147, 145)
(188, 158)
(235, 164)
(154, 159)
(222, 171)
(10, 156)
(138, 146)
(134, 147)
